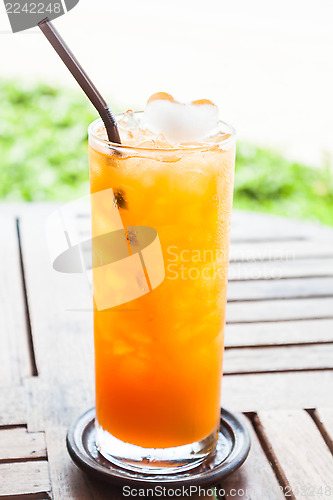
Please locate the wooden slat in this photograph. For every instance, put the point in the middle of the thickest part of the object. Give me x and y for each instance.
(301, 453)
(279, 333)
(255, 480)
(14, 347)
(276, 269)
(324, 419)
(270, 391)
(23, 478)
(280, 250)
(271, 359)
(12, 406)
(280, 289)
(19, 444)
(58, 332)
(279, 310)
(63, 343)
(252, 226)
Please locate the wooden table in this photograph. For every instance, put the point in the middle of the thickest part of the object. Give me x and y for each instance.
(278, 368)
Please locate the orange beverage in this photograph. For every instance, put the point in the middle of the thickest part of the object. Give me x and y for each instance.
(158, 357)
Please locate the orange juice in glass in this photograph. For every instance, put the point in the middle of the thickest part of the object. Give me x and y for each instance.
(158, 357)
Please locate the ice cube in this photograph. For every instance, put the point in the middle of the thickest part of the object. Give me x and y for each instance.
(128, 121)
(127, 125)
(178, 122)
(147, 144)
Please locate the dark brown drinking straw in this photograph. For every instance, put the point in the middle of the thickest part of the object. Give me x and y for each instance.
(82, 78)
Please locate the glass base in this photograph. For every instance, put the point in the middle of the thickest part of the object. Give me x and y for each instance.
(154, 460)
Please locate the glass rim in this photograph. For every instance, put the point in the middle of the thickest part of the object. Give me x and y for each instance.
(204, 145)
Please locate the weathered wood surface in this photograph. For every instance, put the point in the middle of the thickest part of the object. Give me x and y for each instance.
(279, 341)
(279, 333)
(270, 391)
(64, 354)
(324, 419)
(250, 226)
(299, 453)
(280, 270)
(14, 347)
(279, 250)
(13, 406)
(280, 310)
(277, 289)
(20, 445)
(275, 359)
(24, 478)
(255, 480)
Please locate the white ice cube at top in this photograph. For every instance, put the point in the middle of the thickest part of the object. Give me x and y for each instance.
(178, 122)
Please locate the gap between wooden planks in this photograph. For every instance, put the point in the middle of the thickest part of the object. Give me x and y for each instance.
(15, 362)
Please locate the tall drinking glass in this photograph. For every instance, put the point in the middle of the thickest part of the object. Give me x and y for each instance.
(158, 357)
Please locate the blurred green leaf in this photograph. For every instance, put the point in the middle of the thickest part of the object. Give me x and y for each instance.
(43, 142)
(265, 181)
(43, 156)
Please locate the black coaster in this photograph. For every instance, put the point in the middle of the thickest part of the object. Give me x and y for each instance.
(232, 449)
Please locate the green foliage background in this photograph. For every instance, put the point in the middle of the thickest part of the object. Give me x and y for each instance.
(43, 157)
